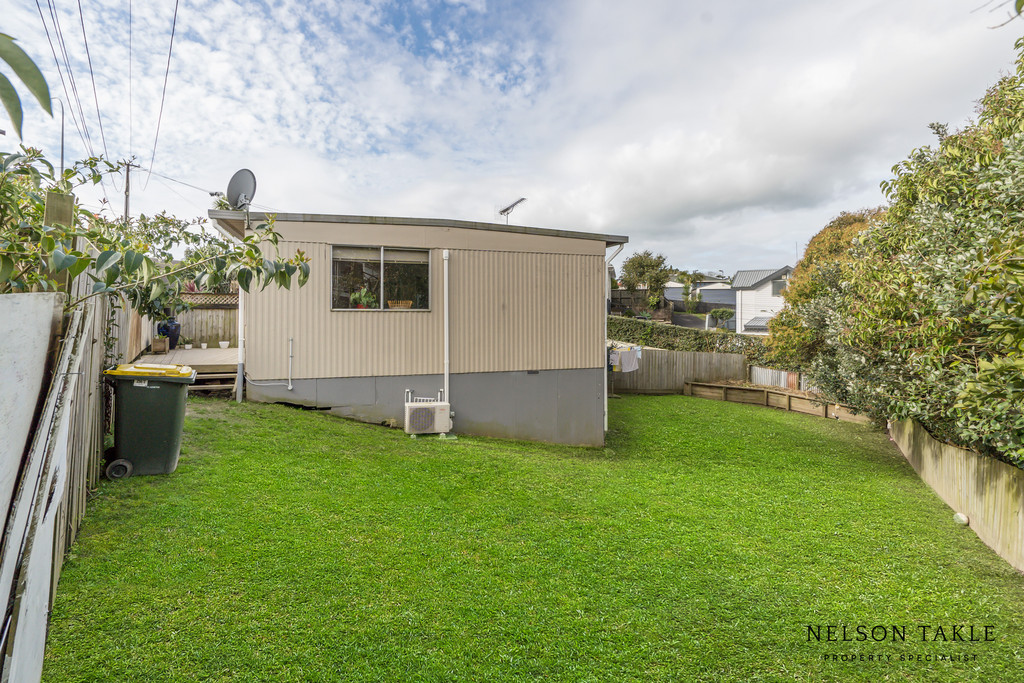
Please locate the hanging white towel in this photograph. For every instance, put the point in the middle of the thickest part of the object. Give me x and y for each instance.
(628, 360)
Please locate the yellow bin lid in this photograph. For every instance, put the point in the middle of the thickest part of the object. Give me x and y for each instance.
(151, 370)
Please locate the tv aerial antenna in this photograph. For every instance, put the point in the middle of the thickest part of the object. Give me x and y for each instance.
(508, 209)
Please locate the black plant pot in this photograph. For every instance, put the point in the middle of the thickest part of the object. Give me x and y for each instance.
(171, 328)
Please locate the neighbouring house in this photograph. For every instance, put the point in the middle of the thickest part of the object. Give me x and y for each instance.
(758, 297)
(715, 291)
(510, 320)
(675, 291)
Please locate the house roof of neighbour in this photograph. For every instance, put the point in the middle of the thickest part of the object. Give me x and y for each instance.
(234, 222)
(758, 323)
(748, 279)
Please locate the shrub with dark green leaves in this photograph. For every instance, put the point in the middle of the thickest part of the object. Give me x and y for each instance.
(634, 331)
(722, 314)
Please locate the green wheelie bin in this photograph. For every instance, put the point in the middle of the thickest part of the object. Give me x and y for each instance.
(149, 414)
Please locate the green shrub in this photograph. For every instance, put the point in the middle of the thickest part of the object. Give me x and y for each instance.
(628, 313)
(722, 314)
(634, 331)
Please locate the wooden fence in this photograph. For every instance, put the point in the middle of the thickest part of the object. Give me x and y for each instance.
(989, 492)
(210, 325)
(667, 372)
(772, 398)
(59, 469)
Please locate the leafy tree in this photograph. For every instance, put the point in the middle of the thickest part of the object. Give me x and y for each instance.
(926, 320)
(644, 268)
(133, 260)
(795, 339)
(722, 315)
(28, 73)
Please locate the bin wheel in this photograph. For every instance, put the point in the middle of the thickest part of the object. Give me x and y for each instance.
(119, 469)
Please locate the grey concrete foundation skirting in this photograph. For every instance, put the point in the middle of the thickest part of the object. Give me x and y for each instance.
(558, 406)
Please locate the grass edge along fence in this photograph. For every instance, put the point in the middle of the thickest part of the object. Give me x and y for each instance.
(988, 491)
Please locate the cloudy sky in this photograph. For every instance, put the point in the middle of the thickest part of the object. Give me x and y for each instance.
(723, 135)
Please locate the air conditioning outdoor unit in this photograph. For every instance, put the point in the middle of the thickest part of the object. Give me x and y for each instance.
(427, 417)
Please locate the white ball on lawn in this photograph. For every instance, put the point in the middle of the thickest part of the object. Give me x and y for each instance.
(961, 519)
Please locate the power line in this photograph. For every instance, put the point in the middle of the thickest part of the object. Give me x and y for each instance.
(92, 76)
(182, 182)
(129, 77)
(167, 71)
(81, 125)
(212, 193)
(169, 187)
(59, 33)
(60, 73)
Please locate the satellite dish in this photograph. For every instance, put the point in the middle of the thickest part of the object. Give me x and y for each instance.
(241, 189)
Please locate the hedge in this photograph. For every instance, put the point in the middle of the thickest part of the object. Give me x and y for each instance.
(635, 331)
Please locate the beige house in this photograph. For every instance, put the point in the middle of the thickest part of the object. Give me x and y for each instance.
(506, 324)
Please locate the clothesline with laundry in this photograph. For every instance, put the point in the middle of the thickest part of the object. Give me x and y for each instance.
(624, 357)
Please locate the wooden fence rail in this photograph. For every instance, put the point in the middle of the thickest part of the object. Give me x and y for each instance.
(57, 473)
(667, 372)
(773, 398)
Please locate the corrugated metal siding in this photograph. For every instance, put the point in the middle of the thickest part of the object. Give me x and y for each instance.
(769, 377)
(510, 311)
(526, 311)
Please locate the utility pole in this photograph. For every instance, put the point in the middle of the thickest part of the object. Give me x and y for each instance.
(128, 165)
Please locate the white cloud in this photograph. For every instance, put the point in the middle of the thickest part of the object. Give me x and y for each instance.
(719, 134)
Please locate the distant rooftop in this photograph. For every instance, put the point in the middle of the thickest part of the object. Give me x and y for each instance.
(748, 279)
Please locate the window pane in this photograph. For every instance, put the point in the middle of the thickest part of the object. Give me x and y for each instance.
(777, 287)
(355, 278)
(407, 278)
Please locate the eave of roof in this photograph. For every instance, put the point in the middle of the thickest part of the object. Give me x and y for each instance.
(749, 279)
(234, 223)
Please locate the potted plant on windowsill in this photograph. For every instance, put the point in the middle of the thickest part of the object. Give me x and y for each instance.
(363, 298)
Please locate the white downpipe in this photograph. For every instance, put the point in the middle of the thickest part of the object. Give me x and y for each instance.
(604, 304)
(240, 389)
(447, 358)
(240, 382)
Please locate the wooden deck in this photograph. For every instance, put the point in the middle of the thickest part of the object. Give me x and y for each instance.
(203, 360)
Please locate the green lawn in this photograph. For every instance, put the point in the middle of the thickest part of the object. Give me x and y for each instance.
(699, 545)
